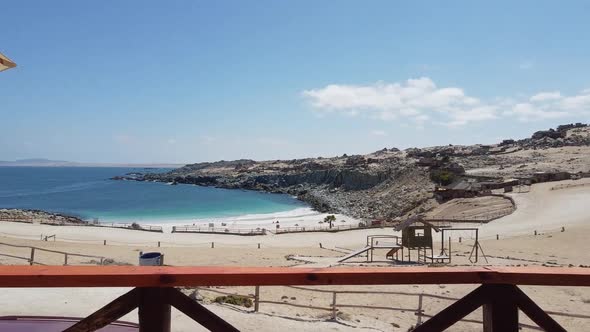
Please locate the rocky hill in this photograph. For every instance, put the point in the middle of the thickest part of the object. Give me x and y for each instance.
(390, 183)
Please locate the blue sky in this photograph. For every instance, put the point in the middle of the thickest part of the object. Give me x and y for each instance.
(187, 81)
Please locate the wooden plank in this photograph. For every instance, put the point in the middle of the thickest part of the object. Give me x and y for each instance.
(108, 314)
(197, 312)
(456, 311)
(168, 276)
(534, 312)
(154, 310)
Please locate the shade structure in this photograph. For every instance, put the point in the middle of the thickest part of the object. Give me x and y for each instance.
(6, 63)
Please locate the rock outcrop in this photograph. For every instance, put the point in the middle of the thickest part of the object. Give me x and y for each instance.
(385, 184)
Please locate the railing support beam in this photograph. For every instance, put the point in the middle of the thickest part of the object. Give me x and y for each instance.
(108, 314)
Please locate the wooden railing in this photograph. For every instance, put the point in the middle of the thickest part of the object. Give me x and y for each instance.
(53, 222)
(155, 295)
(217, 230)
(338, 228)
(132, 226)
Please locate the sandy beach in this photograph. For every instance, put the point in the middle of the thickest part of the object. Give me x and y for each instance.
(542, 209)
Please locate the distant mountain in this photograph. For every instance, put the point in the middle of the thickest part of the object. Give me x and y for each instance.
(42, 162)
(37, 162)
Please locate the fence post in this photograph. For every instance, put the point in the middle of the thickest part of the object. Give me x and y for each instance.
(32, 256)
(334, 305)
(256, 298)
(497, 237)
(158, 244)
(212, 244)
(65, 259)
(104, 243)
(419, 311)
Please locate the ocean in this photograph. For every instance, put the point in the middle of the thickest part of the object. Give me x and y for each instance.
(88, 193)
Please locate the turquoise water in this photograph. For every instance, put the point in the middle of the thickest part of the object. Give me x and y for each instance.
(86, 192)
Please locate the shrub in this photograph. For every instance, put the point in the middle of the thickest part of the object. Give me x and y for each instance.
(443, 177)
(235, 300)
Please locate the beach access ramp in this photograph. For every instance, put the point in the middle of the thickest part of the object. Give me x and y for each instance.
(354, 253)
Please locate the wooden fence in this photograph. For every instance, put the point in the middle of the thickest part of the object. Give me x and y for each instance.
(52, 222)
(333, 306)
(213, 230)
(33, 250)
(472, 219)
(339, 228)
(131, 226)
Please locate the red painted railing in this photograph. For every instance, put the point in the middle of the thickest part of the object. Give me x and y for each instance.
(155, 291)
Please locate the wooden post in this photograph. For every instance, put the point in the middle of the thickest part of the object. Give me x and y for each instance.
(65, 259)
(450, 250)
(256, 298)
(497, 237)
(212, 244)
(258, 245)
(321, 245)
(104, 243)
(158, 244)
(154, 310)
(459, 239)
(32, 256)
(334, 305)
(501, 313)
(535, 233)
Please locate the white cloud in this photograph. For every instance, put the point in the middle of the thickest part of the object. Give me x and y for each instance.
(530, 112)
(388, 101)
(543, 96)
(378, 132)
(420, 101)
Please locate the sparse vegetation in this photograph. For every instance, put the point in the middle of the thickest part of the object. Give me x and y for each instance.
(442, 177)
(235, 300)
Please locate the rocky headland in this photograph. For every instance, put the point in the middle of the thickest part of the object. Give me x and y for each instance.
(24, 215)
(390, 183)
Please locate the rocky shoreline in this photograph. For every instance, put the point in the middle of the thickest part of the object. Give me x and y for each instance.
(26, 215)
(388, 183)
